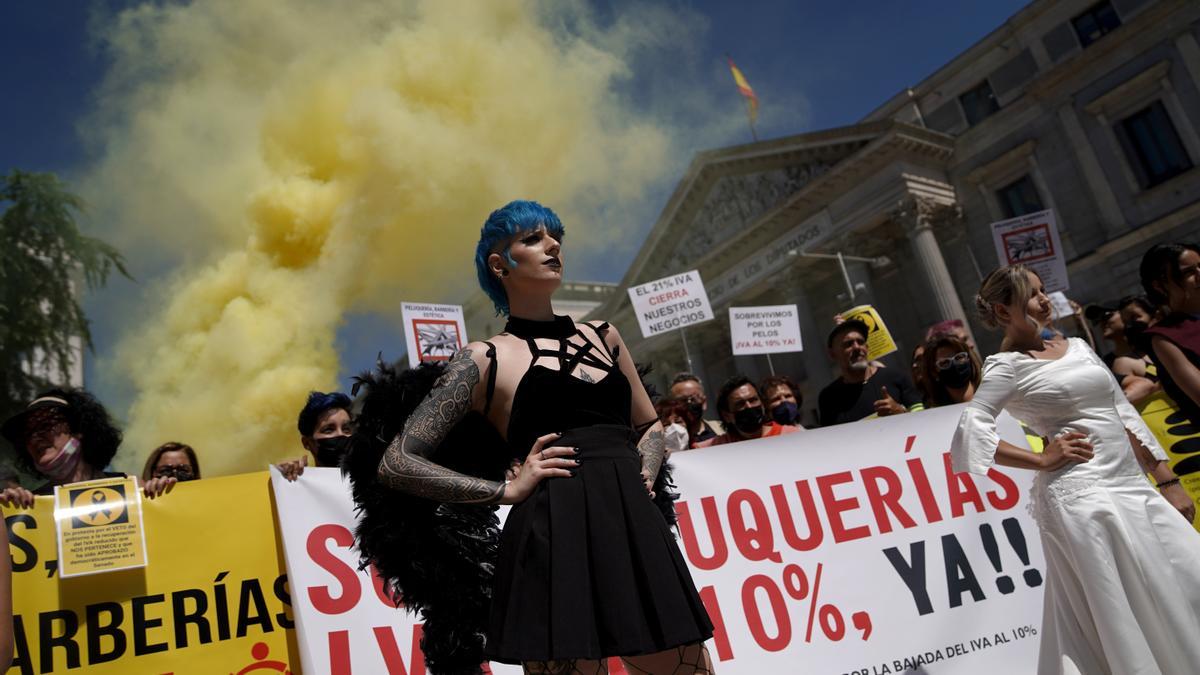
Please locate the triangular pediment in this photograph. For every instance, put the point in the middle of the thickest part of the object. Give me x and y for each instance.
(727, 190)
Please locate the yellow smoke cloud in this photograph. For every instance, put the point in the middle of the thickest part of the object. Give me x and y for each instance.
(301, 160)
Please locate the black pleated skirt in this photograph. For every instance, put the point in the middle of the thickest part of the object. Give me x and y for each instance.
(588, 567)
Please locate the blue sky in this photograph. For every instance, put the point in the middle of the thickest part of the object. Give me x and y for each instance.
(814, 65)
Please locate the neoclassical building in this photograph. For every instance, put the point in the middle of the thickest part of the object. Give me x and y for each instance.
(1090, 109)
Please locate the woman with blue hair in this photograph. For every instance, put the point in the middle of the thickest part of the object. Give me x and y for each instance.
(586, 567)
(325, 424)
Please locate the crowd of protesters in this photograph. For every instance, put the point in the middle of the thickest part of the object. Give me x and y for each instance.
(66, 435)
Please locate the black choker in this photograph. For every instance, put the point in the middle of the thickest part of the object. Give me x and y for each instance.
(559, 328)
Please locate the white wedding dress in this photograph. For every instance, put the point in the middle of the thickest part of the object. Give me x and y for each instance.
(1123, 567)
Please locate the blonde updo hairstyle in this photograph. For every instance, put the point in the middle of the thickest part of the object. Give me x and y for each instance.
(1003, 286)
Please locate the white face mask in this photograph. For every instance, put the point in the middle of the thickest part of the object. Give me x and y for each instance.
(675, 437)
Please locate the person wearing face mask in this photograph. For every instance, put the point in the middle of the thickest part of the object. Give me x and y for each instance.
(782, 398)
(1134, 370)
(688, 388)
(173, 460)
(863, 389)
(744, 414)
(673, 414)
(950, 370)
(325, 427)
(1122, 588)
(65, 436)
(1171, 277)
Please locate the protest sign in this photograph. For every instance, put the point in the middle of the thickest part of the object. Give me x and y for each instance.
(670, 303)
(1179, 439)
(345, 620)
(98, 526)
(879, 339)
(1060, 306)
(432, 332)
(213, 598)
(769, 329)
(873, 559)
(1033, 241)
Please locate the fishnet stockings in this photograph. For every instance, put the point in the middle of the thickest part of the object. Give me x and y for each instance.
(566, 667)
(690, 659)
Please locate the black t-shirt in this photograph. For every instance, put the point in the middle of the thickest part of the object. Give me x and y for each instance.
(841, 401)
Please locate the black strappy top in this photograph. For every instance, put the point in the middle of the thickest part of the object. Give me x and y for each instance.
(552, 396)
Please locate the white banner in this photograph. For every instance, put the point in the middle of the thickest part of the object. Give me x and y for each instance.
(769, 329)
(344, 621)
(1033, 240)
(855, 550)
(670, 303)
(433, 332)
(848, 549)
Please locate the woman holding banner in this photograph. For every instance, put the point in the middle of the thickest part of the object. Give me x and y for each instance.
(603, 577)
(1123, 588)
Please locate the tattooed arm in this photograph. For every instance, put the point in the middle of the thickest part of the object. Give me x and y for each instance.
(652, 448)
(406, 466)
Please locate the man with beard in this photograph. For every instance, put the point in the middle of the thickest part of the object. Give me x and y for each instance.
(863, 389)
(744, 414)
(687, 388)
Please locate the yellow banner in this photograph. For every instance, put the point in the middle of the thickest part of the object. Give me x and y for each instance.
(1177, 436)
(213, 598)
(879, 339)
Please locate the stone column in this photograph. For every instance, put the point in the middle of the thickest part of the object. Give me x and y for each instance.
(914, 216)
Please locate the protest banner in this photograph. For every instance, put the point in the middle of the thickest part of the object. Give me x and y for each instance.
(770, 329)
(879, 338)
(432, 332)
(212, 599)
(856, 549)
(345, 620)
(670, 303)
(1179, 438)
(1033, 240)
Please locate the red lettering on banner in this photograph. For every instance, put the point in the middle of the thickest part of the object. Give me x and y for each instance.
(887, 499)
(755, 543)
(708, 595)
(778, 609)
(346, 575)
(669, 295)
(835, 507)
(1011, 494)
(690, 546)
(339, 652)
(385, 637)
(815, 531)
(961, 488)
(916, 469)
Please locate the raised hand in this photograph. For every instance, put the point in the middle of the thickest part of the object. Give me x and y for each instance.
(887, 405)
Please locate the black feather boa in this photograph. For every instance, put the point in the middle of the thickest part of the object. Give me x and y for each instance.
(437, 559)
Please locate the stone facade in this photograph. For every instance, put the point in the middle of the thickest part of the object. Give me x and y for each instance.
(1052, 109)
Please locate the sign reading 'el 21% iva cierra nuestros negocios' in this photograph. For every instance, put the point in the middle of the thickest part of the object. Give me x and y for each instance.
(670, 303)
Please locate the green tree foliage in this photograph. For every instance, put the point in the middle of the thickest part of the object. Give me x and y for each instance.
(43, 257)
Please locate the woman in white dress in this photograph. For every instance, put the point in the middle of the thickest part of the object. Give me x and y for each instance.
(1123, 567)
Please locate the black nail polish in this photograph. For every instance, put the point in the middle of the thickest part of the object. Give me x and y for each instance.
(579, 461)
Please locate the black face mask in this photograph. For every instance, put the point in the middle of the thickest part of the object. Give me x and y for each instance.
(331, 450)
(749, 420)
(1135, 333)
(786, 413)
(695, 410)
(957, 376)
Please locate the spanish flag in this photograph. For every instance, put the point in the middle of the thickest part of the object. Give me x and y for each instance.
(744, 89)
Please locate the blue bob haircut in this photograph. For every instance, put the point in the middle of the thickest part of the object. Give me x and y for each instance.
(505, 223)
(316, 406)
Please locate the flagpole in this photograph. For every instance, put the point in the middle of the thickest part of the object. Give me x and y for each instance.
(750, 119)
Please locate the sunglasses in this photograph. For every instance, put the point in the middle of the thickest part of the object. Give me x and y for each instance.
(951, 361)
